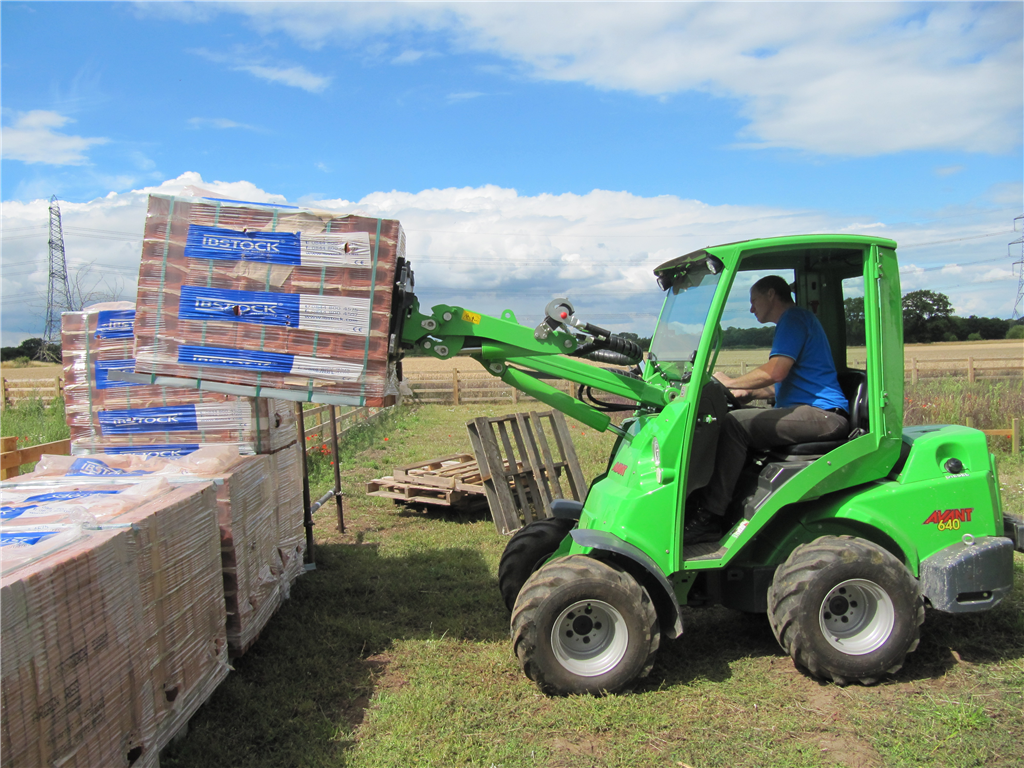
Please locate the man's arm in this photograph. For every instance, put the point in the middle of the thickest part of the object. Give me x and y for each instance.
(766, 376)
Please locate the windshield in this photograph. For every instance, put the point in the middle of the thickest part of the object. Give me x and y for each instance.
(681, 323)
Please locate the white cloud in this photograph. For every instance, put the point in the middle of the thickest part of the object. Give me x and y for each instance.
(489, 248)
(293, 75)
(455, 98)
(296, 76)
(32, 138)
(220, 123)
(831, 78)
(408, 56)
(949, 170)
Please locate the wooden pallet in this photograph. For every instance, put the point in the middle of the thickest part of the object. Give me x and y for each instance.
(525, 458)
(445, 482)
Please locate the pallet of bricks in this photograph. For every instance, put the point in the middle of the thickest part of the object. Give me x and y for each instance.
(132, 568)
(271, 297)
(261, 520)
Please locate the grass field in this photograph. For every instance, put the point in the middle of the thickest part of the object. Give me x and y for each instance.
(395, 652)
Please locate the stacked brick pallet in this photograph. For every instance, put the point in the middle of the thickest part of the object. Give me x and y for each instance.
(108, 415)
(272, 297)
(112, 635)
(133, 568)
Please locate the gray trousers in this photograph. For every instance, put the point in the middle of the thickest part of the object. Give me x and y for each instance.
(747, 429)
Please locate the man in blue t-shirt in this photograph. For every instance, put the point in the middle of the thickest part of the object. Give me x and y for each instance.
(809, 404)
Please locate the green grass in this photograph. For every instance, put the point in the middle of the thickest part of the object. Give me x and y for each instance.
(992, 404)
(34, 422)
(395, 652)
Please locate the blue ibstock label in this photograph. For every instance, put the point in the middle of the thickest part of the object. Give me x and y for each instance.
(351, 249)
(173, 418)
(97, 468)
(330, 314)
(115, 324)
(24, 538)
(103, 368)
(9, 512)
(44, 498)
(275, 362)
(198, 303)
(153, 451)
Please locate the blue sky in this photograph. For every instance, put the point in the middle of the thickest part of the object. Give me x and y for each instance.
(530, 149)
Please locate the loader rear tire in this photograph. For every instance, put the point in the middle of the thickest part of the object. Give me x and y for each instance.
(526, 551)
(846, 610)
(581, 625)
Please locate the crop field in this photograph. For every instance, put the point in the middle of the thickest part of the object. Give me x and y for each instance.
(395, 652)
(931, 354)
(32, 371)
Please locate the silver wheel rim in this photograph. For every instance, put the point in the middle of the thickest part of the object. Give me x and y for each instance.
(857, 617)
(589, 638)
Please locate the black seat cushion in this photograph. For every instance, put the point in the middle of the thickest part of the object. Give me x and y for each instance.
(854, 386)
(805, 449)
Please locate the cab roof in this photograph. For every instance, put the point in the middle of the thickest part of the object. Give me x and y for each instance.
(778, 247)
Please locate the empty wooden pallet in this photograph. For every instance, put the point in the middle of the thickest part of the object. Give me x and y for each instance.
(445, 482)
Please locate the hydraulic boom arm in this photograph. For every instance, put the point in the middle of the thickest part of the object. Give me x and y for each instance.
(506, 349)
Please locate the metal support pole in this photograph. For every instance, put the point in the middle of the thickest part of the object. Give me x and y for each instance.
(307, 512)
(337, 466)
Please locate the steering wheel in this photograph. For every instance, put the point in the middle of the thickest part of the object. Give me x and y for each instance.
(730, 399)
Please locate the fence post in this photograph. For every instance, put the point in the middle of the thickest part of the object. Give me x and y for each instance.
(455, 386)
(56, 387)
(913, 370)
(970, 370)
(7, 445)
(515, 395)
(970, 422)
(1015, 437)
(3, 393)
(743, 368)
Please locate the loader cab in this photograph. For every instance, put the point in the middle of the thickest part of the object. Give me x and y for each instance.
(708, 291)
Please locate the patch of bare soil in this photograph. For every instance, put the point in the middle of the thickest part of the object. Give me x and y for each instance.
(828, 727)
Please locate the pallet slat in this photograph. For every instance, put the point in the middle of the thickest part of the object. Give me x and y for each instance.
(521, 490)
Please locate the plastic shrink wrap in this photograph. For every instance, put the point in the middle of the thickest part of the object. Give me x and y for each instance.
(70, 673)
(249, 549)
(108, 415)
(112, 637)
(273, 297)
(286, 468)
(251, 521)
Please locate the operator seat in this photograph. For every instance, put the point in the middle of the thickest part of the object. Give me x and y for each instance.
(855, 386)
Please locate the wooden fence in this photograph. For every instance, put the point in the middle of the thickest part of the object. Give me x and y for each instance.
(13, 391)
(459, 387)
(318, 421)
(12, 457)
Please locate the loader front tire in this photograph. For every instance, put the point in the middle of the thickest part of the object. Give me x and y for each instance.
(846, 610)
(581, 625)
(526, 551)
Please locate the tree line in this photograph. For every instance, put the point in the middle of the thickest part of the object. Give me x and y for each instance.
(928, 316)
(33, 349)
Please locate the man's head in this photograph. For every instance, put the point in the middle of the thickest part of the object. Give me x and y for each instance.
(769, 298)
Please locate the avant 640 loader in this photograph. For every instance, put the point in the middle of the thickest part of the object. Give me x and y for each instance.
(843, 544)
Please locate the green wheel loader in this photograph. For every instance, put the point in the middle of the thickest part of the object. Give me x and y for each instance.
(844, 544)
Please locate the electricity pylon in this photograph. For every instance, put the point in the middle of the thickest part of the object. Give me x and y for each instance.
(58, 292)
